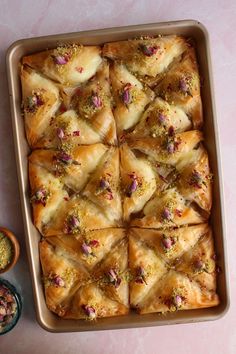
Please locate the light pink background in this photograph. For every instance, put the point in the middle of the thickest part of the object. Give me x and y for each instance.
(21, 19)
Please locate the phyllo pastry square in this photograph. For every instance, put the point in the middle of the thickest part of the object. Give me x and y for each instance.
(172, 269)
(75, 191)
(98, 261)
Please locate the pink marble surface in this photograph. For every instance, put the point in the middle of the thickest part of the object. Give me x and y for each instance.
(20, 19)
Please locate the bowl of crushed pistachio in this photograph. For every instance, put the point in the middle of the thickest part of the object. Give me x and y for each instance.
(9, 250)
(10, 306)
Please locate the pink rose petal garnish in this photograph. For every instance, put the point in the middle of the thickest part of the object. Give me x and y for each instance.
(166, 214)
(183, 85)
(60, 59)
(170, 147)
(198, 264)
(80, 69)
(60, 133)
(58, 281)
(167, 242)
(90, 311)
(76, 133)
(73, 222)
(149, 50)
(86, 249)
(177, 300)
(94, 243)
(96, 100)
(64, 157)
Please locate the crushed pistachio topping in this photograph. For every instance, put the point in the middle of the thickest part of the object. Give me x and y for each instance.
(40, 196)
(34, 101)
(90, 103)
(72, 224)
(63, 54)
(6, 251)
(89, 311)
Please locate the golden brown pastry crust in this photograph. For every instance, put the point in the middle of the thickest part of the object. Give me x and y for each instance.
(149, 56)
(68, 64)
(181, 87)
(172, 269)
(116, 145)
(97, 263)
(130, 95)
(40, 101)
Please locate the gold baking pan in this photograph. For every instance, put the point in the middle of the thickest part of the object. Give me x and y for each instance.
(188, 28)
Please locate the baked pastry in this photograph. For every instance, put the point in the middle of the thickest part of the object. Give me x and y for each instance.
(98, 262)
(121, 187)
(130, 95)
(172, 269)
(55, 114)
(63, 199)
(70, 64)
(146, 56)
(166, 182)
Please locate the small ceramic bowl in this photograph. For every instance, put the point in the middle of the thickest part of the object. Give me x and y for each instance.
(12, 291)
(15, 247)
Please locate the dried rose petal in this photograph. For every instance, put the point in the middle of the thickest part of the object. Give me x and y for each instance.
(167, 242)
(113, 278)
(94, 243)
(109, 196)
(62, 108)
(171, 131)
(64, 157)
(104, 184)
(73, 222)
(178, 212)
(183, 85)
(161, 118)
(60, 59)
(1, 318)
(196, 179)
(177, 301)
(149, 50)
(80, 69)
(166, 214)
(76, 133)
(198, 264)
(90, 311)
(133, 186)
(58, 281)
(60, 133)
(140, 271)
(126, 96)
(170, 147)
(140, 275)
(86, 249)
(96, 100)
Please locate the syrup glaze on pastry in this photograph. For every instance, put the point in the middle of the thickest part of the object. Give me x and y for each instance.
(121, 186)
